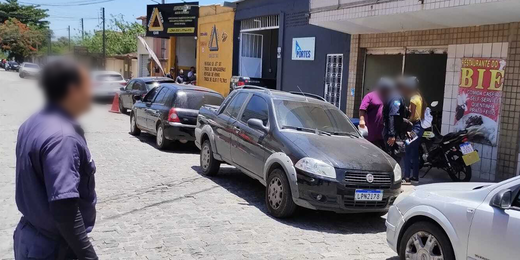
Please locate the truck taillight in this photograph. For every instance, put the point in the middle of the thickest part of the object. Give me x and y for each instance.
(172, 116)
(240, 83)
(123, 83)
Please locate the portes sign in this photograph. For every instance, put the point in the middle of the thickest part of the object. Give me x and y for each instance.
(303, 48)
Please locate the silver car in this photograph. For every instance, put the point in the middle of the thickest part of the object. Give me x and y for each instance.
(457, 221)
(29, 70)
(107, 83)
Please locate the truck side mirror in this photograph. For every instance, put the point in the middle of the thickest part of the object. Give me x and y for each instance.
(502, 200)
(257, 124)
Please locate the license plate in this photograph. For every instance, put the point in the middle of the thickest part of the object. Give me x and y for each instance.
(471, 158)
(466, 148)
(368, 195)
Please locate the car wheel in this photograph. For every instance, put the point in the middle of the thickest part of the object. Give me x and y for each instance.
(22, 75)
(278, 196)
(160, 138)
(424, 240)
(134, 129)
(210, 166)
(122, 109)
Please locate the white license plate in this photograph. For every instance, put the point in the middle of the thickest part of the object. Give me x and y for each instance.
(466, 148)
(368, 195)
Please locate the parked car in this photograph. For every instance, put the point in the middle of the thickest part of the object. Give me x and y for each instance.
(12, 65)
(170, 112)
(304, 150)
(138, 87)
(107, 83)
(29, 70)
(457, 221)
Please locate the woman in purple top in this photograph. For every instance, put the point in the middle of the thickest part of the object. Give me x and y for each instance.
(371, 116)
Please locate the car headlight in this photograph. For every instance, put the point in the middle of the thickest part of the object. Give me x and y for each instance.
(397, 173)
(317, 167)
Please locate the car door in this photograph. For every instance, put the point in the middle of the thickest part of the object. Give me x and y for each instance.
(495, 232)
(224, 125)
(157, 108)
(248, 150)
(143, 106)
(125, 93)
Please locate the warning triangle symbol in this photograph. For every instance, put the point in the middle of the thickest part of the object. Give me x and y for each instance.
(213, 40)
(155, 24)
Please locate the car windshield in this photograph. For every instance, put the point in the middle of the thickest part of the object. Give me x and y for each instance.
(312, 116)
(34, 66)
(109, 77)
(13, 63)
(193, 99)
(154, 84)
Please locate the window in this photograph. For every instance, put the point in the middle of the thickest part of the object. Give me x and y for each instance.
(256, 108)
(30, 65)
(129, 85)
(234, 107)
(196, 99)
(323, 117)
(139, 85)
(149, 97)
(109, 77)
(516, 201)
(162, 96)
(333, 79)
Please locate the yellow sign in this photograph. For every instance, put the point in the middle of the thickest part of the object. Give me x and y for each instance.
(181, 30)
(215, 48)
(156, 23)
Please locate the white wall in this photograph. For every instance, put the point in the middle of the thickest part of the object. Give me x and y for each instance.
(186, 51)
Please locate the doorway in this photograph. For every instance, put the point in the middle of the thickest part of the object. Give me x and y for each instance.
(378, 66)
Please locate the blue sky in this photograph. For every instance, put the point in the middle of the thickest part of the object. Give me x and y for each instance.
(63, 16)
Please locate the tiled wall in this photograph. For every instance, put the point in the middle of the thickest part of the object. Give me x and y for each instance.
(351, 9)
(500, 41)
(486, 168)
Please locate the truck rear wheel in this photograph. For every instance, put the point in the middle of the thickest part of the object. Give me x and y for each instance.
(210, 166)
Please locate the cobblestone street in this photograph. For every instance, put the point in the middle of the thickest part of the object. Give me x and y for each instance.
(155, 205)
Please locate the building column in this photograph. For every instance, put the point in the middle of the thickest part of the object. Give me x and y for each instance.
(355, 76)
(172, 47)
(509, 133)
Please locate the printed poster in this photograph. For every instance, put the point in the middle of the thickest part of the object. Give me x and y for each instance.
(478, 100)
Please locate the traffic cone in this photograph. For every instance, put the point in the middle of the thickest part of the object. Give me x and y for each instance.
(115, 105)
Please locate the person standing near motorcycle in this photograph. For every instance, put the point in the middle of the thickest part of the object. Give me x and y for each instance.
(409, 88)
(394, 114)
(371, 117)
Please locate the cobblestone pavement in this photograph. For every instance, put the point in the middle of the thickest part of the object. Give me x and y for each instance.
(155, 205)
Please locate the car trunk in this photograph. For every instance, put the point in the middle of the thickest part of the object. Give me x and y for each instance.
(188, 102)
(187, 116)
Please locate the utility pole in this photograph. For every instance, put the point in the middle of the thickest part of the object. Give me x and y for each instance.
(104, 37)
(69, 37)
(50, 43)
(82, 29)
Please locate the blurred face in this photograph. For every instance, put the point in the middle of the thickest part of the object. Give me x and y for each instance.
(79, 98)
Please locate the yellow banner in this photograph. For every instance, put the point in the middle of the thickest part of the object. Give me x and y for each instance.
(181, 30)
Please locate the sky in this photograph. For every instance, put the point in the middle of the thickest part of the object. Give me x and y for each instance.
(63, 16)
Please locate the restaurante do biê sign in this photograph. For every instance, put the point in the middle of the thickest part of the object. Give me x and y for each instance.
(166, 20)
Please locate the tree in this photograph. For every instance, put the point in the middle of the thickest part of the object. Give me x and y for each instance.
(121, 37)
(19, 39)
(30, 15)
(27, 14)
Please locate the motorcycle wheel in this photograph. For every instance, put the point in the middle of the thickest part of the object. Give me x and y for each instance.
(459, 172)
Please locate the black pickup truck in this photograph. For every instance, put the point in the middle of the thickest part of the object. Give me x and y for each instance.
(304, 150)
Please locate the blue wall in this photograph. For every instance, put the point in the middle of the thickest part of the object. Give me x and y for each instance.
(294, 23)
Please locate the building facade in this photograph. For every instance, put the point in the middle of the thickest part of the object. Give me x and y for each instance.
(465, 53)
(275, 43)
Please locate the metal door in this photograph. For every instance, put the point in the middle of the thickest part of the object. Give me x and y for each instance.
(251, 52)
(334, 79)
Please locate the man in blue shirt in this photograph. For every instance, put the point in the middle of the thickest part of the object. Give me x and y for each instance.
(394, 114)
(55, 171)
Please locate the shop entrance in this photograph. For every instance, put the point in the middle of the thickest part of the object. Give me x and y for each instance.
(258, 50)
(428, 65)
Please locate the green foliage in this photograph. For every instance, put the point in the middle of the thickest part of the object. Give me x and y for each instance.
(32, 18)
(19, 39)
(121, 37)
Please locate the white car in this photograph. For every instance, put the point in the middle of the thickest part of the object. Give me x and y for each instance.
(457, 221)
(107, 83)
(28, 70)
